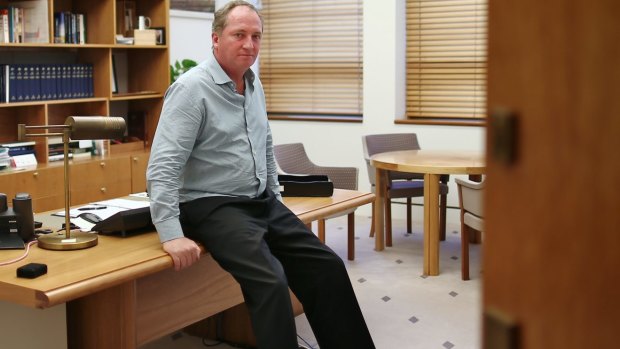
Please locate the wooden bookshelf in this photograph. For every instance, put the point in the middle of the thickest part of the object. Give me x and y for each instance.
(140, 85)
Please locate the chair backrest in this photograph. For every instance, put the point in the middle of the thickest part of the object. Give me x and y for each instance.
(381, 143)
(385, 142)
(472, 202)
(292, 158)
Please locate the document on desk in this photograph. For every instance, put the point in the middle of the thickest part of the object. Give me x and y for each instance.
(102, 209)
(106, 208)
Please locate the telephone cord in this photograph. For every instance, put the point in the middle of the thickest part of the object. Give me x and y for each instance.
(22, 256)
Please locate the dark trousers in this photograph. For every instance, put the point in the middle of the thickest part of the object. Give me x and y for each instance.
(267, 249)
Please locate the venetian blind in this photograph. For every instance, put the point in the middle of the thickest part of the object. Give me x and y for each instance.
(446, 58)
(311, 57)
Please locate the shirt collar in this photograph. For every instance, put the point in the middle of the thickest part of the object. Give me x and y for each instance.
(219, 75)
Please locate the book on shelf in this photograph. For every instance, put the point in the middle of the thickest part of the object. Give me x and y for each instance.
(19, 148)
(75, 156)
(4, 26)
(77, 149)
(24, 22)
(34, 20)
(17, 144)
(69, 28)
(12, 18)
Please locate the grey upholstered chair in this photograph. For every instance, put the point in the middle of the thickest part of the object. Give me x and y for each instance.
(292, 159)
(401, 184)
(471, 203)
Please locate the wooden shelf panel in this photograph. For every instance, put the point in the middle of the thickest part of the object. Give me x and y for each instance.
(53, 101)
(135, 95)
(80, 46)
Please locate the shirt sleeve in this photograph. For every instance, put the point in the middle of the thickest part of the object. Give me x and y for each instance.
(179, 124)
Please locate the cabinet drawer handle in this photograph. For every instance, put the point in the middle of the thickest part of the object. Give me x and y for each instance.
(135, 159)
(35, 174)
(103, 190)
(102, 164)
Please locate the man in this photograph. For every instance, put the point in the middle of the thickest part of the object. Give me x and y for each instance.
(212, 178)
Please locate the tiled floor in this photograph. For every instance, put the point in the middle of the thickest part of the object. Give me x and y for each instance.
(402, 308)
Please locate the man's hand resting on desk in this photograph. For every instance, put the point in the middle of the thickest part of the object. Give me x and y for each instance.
(184, 252)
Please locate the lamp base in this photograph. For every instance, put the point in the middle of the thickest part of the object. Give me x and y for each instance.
(58, 241)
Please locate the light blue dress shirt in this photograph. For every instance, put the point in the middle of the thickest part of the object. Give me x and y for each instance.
(210, 141)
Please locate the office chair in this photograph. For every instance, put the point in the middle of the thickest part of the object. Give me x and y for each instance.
(292, 159)
(471, 203)
(400, 184)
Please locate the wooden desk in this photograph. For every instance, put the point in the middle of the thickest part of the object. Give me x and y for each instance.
(432, 163)
(124, 293)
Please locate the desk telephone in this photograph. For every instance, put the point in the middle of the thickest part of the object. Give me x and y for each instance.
(16, 223)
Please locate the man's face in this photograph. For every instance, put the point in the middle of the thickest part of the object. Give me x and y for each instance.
(237, 47)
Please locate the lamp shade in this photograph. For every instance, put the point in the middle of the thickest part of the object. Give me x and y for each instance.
(96, 127)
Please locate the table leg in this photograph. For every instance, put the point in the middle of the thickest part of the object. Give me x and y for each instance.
(378, 213)
(431, 224)
(105, 319)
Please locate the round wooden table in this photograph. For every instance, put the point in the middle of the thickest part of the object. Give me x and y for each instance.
(431, 163)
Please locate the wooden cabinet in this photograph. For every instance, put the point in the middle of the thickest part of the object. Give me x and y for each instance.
(97, 180)
(127, 79)
(43, 184)
(139, 161)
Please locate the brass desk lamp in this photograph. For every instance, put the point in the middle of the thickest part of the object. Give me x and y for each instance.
(75, 128)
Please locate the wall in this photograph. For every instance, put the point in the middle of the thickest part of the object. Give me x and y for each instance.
(22, 327)
(330, 143)
(190, 35)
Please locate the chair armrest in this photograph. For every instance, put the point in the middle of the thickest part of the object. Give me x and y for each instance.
(471, 195)
(470, 184)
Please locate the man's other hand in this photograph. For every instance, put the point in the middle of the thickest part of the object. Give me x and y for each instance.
(184, 252)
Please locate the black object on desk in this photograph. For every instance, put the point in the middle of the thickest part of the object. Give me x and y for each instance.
(90, 217)
(90, 208)
(305, 185)
(126, 222)
(31, 270)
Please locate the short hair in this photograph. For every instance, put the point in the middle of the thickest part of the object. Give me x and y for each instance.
(220, 19)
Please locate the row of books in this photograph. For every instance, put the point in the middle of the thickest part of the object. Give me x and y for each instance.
(69, 28)
(19, 148)
(24, 21)
(77, 149)
(34, 82)
(11, 25)
(19, 154)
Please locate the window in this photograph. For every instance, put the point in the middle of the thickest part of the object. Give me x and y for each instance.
(311, 58)
(446, 60)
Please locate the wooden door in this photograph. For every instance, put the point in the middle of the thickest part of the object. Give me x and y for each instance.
(551, 256)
